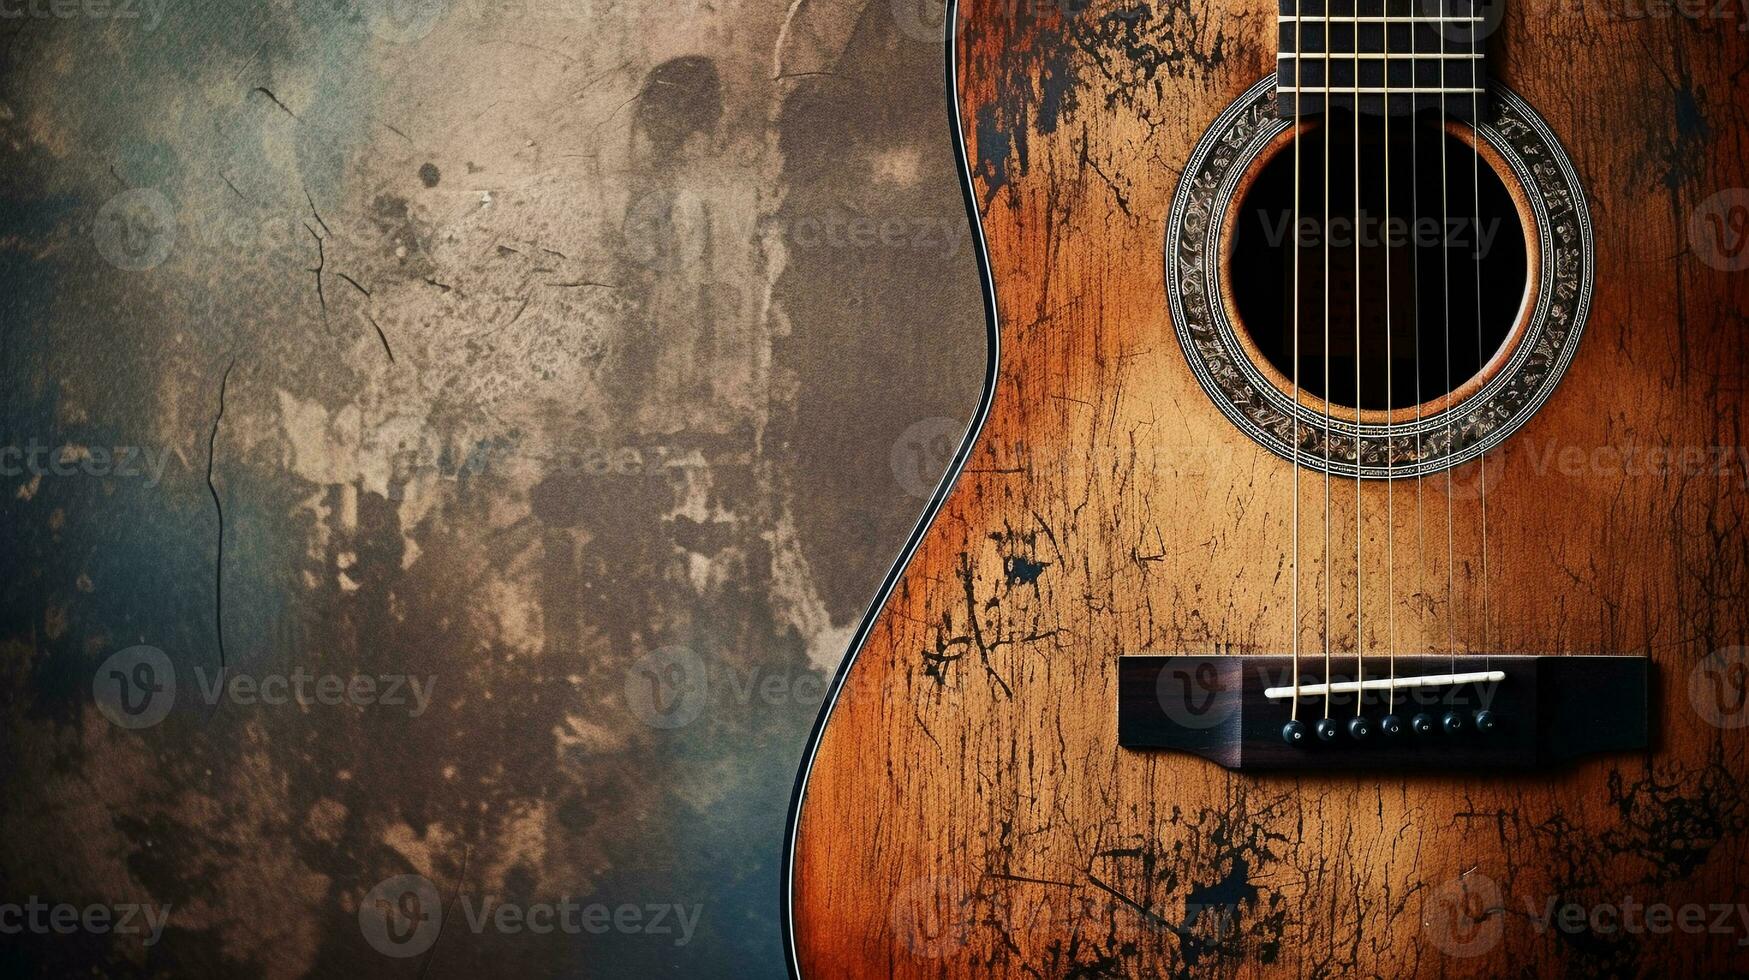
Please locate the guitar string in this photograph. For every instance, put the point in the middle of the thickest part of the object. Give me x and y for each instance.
(1390, 387)
(1415, 254)
(1359, 565)
(1477, 40)
(1299, 74)
(1329, 134)
(1445, 269)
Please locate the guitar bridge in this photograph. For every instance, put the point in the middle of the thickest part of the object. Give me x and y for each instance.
(1424, 711)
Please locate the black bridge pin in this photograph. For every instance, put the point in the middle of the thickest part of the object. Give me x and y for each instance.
(1391, 724)
(1485, 721)
(1422, 723)
(1294, 732)
(1453, 723)
(1359, 728)
(1327, 729)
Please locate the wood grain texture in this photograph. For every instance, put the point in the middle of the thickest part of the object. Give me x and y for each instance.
(969, 812)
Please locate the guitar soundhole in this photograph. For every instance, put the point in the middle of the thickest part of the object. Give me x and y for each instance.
(1424, 332)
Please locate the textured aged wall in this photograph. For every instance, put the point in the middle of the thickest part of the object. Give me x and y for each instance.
(491, 416)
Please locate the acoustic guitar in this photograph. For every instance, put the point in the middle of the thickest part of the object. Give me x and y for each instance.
(1346, 573)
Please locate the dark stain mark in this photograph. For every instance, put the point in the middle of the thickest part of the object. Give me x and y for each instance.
(702, 538)
(1205, 863)
(388, 211)
(1232, 891)
(1019, 549)
(1135, 48)
(574, 814)
(1030, 95)
(1130, 50)
(1672, 820)
(429, 175)
(994, 142)
(1020, 571)
(404, 235)
(968, 579)
(1678, 140)
(987, 639)
(680, 97)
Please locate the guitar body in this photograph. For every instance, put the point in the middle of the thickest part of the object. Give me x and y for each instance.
(966, 808)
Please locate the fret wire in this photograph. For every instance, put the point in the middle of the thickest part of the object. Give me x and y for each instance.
(1418, 19)
(1395, 56)
(1374, 90)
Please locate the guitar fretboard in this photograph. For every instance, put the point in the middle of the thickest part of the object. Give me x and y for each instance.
(1378, 56)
